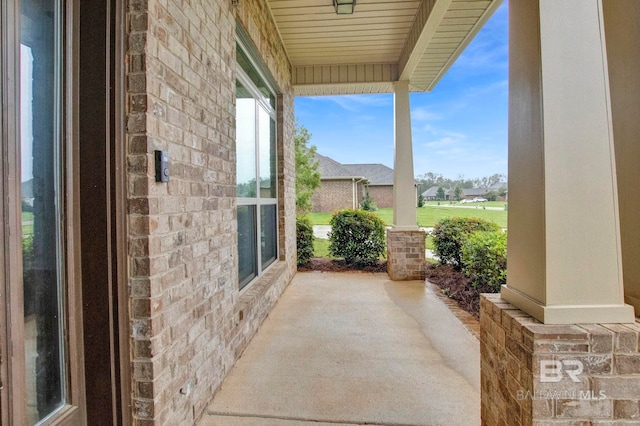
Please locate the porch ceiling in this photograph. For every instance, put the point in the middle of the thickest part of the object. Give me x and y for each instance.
(382, 42)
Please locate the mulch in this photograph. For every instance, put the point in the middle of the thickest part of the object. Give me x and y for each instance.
(457, 286)
(334, 265)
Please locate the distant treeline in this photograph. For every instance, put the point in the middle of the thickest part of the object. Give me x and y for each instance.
(427, 180)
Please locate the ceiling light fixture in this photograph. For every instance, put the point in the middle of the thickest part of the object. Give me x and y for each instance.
(344, 7)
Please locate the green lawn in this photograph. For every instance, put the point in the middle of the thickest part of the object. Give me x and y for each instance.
(429, 215)
(321, 248)
(27, 229)
(500, 204)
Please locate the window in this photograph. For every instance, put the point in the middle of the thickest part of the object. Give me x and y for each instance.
(255, 169)
(43, 371)
(41, 185)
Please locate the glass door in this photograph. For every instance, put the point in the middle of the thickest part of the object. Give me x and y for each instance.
(41, 136)
(38, 290)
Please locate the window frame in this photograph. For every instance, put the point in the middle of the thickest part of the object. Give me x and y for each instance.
(12, 348)
(270, 107)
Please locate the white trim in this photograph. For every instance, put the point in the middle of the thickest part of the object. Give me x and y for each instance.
(569, 314)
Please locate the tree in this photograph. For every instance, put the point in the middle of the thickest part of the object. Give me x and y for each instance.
(367, 202)
(491, 195)
(440, 194)
(457, 193)
(489, 181)
(307, 174)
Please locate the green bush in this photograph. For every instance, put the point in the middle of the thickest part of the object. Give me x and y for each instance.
(367, 202)
(484, 256)
(304, 239)
(449, 235)
(357, 236)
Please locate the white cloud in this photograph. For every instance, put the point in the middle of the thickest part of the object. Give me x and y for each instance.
(424, 114)
(447, 141)
(355, 103)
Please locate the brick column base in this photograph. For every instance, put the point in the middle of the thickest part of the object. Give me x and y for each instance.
(405, 255)
(532, 373)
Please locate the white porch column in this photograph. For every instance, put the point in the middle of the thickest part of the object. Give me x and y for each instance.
(404, 192)
(623, 54)
(564, 255)
(405, 241)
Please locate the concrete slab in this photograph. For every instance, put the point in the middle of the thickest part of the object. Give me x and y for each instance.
(354, 348)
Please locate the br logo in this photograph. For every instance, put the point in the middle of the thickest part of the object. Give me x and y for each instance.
(552, 371)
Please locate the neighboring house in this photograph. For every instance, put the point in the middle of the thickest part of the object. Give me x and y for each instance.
(431, 194)
(345, 185)
(339, 189)
(471, 193)
(27, 192)
(380, 179)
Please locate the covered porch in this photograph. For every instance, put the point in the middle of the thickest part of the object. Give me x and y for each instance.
(354, 348)
(573, 154)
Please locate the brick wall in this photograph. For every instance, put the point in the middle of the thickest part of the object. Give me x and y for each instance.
(521, 383)
(382, 195)
(336, 195)
(188, 321)
(405, 255)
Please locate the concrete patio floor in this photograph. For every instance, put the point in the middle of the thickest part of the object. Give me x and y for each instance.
(354, 349)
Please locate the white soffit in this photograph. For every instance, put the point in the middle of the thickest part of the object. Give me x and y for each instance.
(382, 42)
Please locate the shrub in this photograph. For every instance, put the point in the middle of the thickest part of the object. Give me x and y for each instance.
(367, 202)
(304, 239)
(484, 256)
(449, 235)
(357, 236)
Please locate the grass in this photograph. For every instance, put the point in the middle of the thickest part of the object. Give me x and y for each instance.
(320, 218)
(321, 248)
(500, 204)
(429, 215)
(27, 229)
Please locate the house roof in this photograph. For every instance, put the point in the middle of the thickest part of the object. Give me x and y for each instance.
(377, 174)
(330, 168)
(468, 192)
(382, 42)
(433, 191)
(27, 188)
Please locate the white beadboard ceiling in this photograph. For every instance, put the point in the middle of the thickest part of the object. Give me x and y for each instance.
(382, 42)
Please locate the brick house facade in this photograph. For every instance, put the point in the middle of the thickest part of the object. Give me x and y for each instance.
(154, 314)
(345, 185)
(123, 303)
(186, 309)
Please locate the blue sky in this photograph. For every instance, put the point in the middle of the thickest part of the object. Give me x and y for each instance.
(459, 128)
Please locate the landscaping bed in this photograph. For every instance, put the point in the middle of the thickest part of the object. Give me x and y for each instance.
(338, 265)
(457, 286)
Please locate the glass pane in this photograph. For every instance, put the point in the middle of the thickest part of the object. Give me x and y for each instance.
(40, 100)
(269, 234)
(247, 263)
(267, 143)
(245, 145)
(247, 67)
